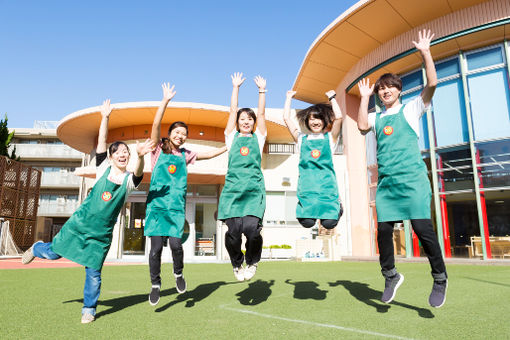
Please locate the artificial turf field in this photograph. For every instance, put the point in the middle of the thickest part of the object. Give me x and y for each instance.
(297, 300)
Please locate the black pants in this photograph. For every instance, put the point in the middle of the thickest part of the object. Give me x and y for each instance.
(328, 224)
(428, 238)
(250, 227)
(157, 243)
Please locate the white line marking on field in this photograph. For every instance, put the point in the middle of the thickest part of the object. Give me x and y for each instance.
(354, 330)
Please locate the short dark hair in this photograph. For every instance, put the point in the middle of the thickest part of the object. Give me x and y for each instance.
(249, 112)
(115, 146)
(388, 80)
(323, 112)
(177, 124)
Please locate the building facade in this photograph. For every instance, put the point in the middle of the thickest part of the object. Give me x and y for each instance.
(131, 122)
(40, 148)
(465, 135)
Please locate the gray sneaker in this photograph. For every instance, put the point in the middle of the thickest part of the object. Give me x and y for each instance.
(390, 287)
(154, 295)
(29, 256)
(437, 297)
(180, 283)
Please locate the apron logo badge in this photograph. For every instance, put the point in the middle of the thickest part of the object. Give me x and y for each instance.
(388, 130)
(172, 168)
(316, 153)
(106, 196)
(245, 151)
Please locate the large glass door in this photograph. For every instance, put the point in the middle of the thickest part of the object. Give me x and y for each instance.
(134, 241)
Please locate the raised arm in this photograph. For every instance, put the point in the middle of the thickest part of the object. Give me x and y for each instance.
(423, 46)
(211, 153)
(237, 81)
(286, 116)
(365, 91)
(103, 127)
(168, 94)
(142, 149)
(261, 111)
(337, 123)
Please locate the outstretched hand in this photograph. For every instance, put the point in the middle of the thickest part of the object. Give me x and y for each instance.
(260, 82)
(106, 109)
(168, 92)
(237, 79)
(365, 89)
(291, 93)
(424, 39)
(145, 147)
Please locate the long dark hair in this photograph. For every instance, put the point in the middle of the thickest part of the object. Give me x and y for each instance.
(249, 112)
(323, 112)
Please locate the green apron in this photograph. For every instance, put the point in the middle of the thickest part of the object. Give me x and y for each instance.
(244, 192)
(403, 187)
(86, 237)
(317, 190)
(166, 202)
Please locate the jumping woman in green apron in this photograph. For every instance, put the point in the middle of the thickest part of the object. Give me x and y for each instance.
(243, 198)
(166, 202)
(403, 187)
(86, 237)
(317, 190)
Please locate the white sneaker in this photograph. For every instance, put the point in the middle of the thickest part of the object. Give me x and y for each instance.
(239, 273)
(29, 256)
(250, 271)
(87, 318)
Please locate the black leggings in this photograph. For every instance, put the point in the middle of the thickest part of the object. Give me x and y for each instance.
(157, 243)
(428, 238)
(327, 223)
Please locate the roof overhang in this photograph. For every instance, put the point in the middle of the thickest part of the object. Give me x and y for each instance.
(133, 120)
(374, 37)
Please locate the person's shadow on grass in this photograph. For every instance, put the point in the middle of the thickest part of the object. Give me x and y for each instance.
(120, 303)
(257, 292)
(191, 297)
(371, 297)
(307, 290)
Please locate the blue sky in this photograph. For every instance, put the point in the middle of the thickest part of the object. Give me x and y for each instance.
(58, 57)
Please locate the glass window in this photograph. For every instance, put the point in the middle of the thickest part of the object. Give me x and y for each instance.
(371, 146)
(498, 217)
(412, 80)
(494, 160)
(454, 168)
(371, 103)
(447, 68)
(489, 96)
(206, 190)
(449, 113)
(484, 58)
(291, 202)
(275, 203)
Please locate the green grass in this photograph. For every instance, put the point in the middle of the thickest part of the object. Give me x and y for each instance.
(321, 300)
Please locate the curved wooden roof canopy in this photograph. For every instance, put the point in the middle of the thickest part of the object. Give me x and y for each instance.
(374, 37)
(130, 121)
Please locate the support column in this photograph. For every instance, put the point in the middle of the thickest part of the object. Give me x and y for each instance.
(463, 73)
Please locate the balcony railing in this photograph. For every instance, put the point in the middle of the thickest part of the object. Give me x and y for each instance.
(60, 180)
(45, 151)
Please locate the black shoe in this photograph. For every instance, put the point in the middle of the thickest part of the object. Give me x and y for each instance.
(437, 297)
(180, 283)
(390, 287)
(154, 295)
